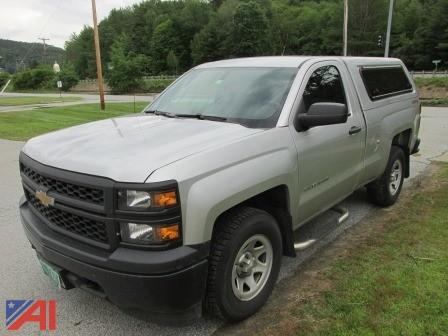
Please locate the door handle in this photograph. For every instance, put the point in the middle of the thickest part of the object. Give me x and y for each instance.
(354, 130)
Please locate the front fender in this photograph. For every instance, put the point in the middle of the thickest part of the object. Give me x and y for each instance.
(211, 196)
(214, 181)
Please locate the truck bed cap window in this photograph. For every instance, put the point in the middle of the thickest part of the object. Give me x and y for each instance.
(383, 82)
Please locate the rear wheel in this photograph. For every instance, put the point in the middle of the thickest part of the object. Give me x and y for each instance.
(385, 190)
(244, 263)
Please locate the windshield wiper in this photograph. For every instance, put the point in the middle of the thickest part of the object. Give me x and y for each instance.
(162, 113)
(202, 117)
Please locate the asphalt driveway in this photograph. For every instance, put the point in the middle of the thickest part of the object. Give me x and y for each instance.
(80, 313)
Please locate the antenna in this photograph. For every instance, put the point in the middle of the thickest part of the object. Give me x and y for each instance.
(44, 41)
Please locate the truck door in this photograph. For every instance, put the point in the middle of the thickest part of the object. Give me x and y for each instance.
(330, 157)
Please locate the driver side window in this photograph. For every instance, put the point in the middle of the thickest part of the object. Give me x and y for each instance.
(324, 86)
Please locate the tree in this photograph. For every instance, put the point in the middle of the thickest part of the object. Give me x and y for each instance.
(368, 19)
(208, 44)
(80, 52)
(172, 62)
(164, 40)
(127, 69)
(198, 31)
(187, 23)
(407, 19)
(68, 76)
(431, 37)
(119, 21)
(249, 33)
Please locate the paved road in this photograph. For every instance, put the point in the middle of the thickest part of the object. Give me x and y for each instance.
(85, 99)
(82, 314)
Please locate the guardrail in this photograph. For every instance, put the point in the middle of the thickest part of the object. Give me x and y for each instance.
(429, 73)
(161, 77)
(170, 77)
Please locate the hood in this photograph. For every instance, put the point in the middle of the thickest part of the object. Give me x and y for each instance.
(129, 149)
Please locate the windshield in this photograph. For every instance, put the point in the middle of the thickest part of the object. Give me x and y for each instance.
(253, 97)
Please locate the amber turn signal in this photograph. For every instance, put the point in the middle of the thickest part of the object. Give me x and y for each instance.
(165, 199)
(168, 232)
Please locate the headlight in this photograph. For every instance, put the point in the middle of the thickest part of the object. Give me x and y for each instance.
(146, 234)
(141, 200)
(137, 199)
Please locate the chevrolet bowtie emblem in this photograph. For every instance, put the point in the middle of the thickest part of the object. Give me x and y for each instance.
(44, 199)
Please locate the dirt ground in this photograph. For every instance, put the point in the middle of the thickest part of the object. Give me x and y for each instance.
(427, 92)
(309, 281)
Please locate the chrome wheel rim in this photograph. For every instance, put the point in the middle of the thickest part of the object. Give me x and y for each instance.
(252, 267)
(396, 175)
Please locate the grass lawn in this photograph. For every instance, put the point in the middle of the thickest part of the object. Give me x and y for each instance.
(431, 81)
(27, 124)
(29, 100)
(396, 281)
(435, 102)
(156, 85)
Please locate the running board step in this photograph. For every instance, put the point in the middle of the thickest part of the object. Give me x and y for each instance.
(311, 232)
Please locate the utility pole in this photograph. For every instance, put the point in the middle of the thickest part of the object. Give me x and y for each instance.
(389, 26)
(19, 64)
(44, 40)
(99, 69)
(345, 32)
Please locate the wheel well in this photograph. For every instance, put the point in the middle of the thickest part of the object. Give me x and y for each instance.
(402, 140)
(275, 201)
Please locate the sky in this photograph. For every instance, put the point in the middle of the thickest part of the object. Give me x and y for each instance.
(27, 20)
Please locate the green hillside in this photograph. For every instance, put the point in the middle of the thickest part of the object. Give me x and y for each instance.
(13, 52)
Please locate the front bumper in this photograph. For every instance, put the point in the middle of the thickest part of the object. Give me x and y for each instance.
(170, 282)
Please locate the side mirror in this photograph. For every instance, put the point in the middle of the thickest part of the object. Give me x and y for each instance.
(320, 114)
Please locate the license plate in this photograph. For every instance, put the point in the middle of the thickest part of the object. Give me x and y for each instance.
(51, 272)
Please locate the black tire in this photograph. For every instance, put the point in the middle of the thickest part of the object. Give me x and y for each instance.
(379, 191)
(233, 230)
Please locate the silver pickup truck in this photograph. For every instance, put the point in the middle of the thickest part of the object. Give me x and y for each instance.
(190, 205)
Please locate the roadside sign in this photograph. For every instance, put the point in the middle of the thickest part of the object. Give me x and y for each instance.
(436, 63)
(59, 84)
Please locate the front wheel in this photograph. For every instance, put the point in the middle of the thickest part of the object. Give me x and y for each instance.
(244, 263)
(385, 190)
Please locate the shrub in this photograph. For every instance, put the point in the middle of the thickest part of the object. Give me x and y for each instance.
(34, 79)
(4, 76)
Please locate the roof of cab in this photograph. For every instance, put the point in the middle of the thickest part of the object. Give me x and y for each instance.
(293, 61)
